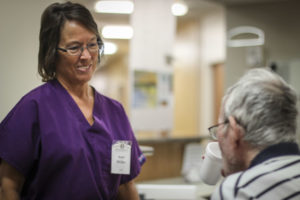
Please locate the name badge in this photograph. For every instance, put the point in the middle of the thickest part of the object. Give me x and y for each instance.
(121, 157)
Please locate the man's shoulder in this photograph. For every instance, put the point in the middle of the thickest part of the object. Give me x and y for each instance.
(225, 189)
(258, 180)
(273, 165)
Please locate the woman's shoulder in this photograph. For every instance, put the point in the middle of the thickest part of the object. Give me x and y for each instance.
(43, 91)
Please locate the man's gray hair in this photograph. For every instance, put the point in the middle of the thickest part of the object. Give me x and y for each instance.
(265, 106)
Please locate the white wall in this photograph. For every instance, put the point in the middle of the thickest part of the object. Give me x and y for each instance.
(19, 36)
(212, 45)
(279, 21)
(154, 34)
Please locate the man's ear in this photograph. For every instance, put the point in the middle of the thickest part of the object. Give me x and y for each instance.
(236, 133)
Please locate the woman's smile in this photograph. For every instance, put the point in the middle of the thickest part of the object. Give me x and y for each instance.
(84, 68)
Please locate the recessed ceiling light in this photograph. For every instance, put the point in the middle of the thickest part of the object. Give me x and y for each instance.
(117, 7)
(179, 8)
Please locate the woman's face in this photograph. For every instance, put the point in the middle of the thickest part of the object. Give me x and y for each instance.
(76, 69)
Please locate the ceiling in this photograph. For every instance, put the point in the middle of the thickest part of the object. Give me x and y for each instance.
(196, 9)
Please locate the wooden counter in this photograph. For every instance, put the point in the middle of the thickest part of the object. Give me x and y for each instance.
(166, 160)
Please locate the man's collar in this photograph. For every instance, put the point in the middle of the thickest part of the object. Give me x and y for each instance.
(281, 149)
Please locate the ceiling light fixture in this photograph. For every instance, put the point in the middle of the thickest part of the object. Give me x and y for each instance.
(116, 7)
(179, 8)
(117, 32)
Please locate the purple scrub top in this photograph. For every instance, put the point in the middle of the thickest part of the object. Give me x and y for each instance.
(47, 138)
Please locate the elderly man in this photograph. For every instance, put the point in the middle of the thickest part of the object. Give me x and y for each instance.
(257, 137)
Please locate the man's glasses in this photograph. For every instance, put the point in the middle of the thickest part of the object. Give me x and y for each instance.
(77, 50)
(213, 130)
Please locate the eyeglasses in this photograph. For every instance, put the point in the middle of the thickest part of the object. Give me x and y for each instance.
(213, 130)
(77, 50)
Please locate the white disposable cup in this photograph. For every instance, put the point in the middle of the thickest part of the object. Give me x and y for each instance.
(210, 170)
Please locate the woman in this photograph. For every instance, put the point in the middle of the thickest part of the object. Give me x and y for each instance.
(64, 140)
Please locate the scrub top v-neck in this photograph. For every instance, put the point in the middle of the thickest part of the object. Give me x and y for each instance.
(75, 107)
(47, 138)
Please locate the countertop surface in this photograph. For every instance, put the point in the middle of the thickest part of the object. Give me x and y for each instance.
(203, 191)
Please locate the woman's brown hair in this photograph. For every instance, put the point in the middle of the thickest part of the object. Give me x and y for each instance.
(52, 21)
